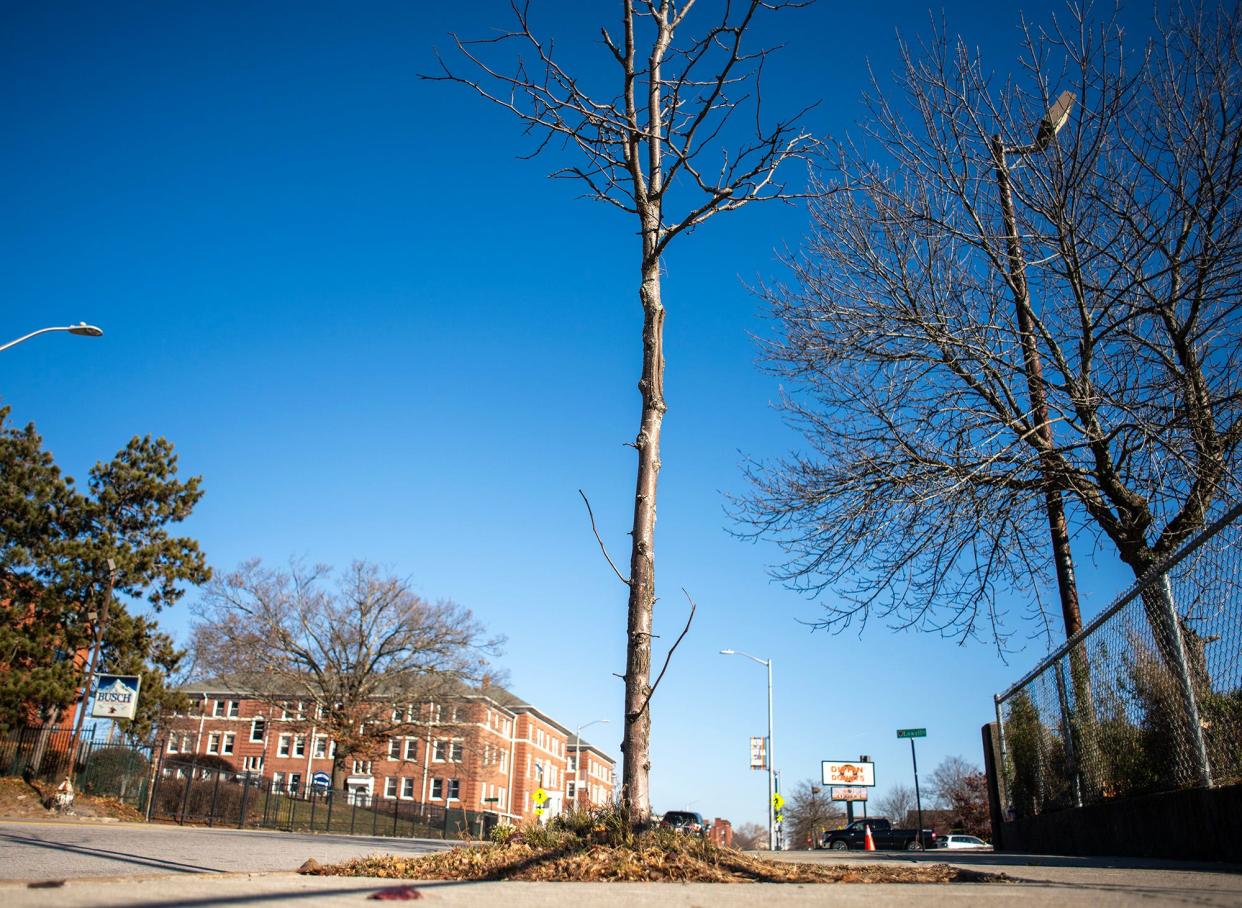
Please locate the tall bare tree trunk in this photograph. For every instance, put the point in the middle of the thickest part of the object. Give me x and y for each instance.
(636, 742)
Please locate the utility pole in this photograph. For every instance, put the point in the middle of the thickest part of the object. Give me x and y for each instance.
(101, 624)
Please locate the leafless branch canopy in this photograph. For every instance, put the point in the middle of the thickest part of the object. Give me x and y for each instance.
(355, 650)
(920, 497)
(664, 128)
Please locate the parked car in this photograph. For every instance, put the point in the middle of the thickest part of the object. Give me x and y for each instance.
(684, 821)
(961, 842)
(882, 834)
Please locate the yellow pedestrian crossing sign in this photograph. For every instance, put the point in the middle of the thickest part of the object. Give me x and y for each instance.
(777, 801)
(540, 796)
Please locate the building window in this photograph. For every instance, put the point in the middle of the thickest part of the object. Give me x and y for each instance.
(454, 789)
(440, 751)
(573, 763)
(258, 728)
(390, 787)
(226, 744)
(217, 708)
(362, 767)
(459, 714)
(394, 748)
(172, 744)
(213, 743)
(295, 782)
(284, 710)
(437, 789)
(283, 745)
(411, 712)
(407, 787)
(571, 790)
(299, 746)
(396, 713)
(321, 747)
(411, 748)
(278, 781)
(234, 709)
(435, 712)
(252, 764)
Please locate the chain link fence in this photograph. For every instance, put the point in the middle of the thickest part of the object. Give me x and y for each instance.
(1146, 698)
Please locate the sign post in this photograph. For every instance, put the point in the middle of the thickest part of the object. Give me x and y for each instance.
(913, 733)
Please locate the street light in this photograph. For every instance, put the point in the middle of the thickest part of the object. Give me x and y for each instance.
(1050, 125)
(771, 760)
(578, 753)
(82, 329)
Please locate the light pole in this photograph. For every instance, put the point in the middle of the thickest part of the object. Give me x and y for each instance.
(1051, 124)
(771, 760)
(578, 757)
(100, 620)
(82, 329)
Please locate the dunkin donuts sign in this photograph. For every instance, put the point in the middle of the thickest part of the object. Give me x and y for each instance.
(849, 773)
(116, 697)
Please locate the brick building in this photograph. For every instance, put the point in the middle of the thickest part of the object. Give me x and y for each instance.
(482, 750)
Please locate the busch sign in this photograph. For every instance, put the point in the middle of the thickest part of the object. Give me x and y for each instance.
(116, 697)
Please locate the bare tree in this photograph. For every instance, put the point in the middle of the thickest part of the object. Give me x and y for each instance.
(750, 837)
(362, 660)
(809, 812)
(948, 778)
(667, 123)
(923, 497)
(896, 803)
(962, 789)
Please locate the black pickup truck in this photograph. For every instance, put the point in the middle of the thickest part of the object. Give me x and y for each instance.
(882, 833)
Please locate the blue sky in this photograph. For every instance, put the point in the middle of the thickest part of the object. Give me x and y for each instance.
(379, 334)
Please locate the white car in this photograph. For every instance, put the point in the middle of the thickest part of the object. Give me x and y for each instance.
(962, 843)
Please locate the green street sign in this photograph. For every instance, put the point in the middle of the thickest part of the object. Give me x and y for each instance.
(912, 732)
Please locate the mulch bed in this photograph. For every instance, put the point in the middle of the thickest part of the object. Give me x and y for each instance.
(691, 862)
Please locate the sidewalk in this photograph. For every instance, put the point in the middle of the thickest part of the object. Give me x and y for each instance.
(1066, 887)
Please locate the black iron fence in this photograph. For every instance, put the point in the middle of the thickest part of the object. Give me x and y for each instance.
(104, 769)
(188, 792)
(1145, 698)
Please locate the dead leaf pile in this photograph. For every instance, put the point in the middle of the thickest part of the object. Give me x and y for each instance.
(650, 861)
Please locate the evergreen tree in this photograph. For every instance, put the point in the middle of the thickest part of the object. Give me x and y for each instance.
(56, 543)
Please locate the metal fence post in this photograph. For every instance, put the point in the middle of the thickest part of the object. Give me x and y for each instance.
(331, 799)
(1067, 729)
(313, 798)
(245, 797)
(185, 795)
(395, 804)
(1186, 685)
(215, 794)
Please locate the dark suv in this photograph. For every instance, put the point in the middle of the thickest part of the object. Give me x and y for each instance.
(684, 821)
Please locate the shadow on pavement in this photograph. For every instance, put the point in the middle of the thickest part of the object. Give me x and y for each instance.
(120, 856)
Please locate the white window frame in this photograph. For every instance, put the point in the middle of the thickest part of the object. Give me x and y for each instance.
(284, 746)
(259, 724)
(391, 786)
(234, 709)
(226, 743)
(407, 788)
(411, 749)
(452, 790)
(213, 743)
(437, 789)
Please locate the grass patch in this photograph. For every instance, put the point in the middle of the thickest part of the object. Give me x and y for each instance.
(596, 847)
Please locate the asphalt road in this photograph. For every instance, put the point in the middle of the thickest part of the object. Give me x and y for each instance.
(71, 850)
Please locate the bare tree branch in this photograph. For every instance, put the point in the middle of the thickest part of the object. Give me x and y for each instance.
(602, 547)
